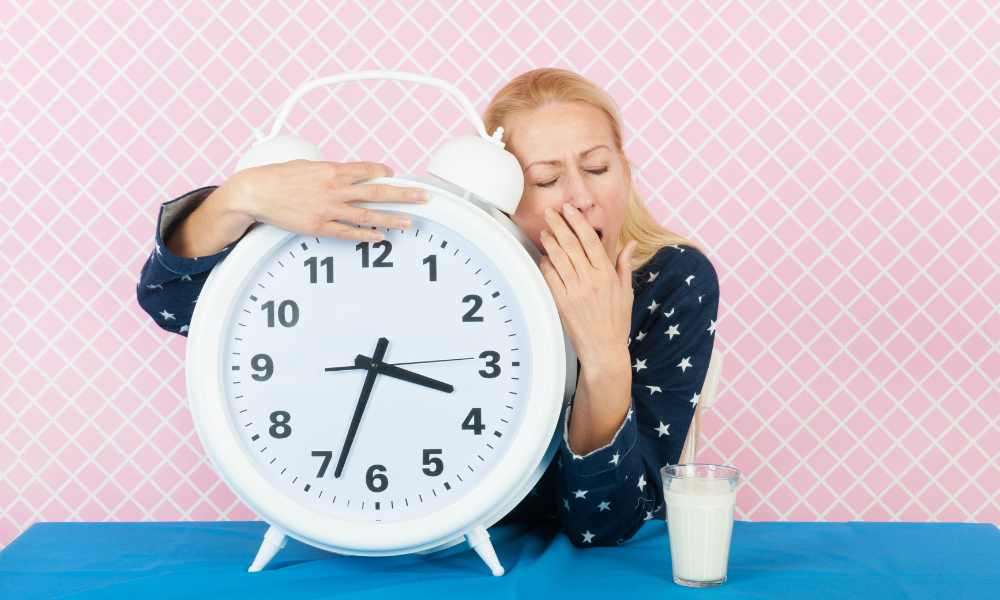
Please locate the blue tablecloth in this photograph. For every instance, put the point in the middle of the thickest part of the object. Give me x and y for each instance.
(767, 560)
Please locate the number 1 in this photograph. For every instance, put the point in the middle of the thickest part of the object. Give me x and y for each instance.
(433, 263)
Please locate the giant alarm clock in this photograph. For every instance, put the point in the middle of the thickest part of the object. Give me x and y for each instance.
(391, 397)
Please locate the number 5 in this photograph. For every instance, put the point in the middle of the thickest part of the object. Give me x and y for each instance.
(435, 462)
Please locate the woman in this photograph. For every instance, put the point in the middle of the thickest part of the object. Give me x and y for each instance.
(637, 302)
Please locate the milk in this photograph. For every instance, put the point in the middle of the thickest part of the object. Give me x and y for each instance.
(700, 524)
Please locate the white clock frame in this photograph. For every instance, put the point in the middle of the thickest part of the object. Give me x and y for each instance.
(526, 457)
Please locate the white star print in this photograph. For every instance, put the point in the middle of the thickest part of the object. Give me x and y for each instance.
(684, 364)
(669, 314)
(678, 247)
(614, 459)
(153, 287)
(642, 483)
(167, 316)
(580, 493)
(694, 399)
(587, 537)
(641, 335)
(652, 276)
(604, 506)
(185, 278)
(699, 299)
(711, 328)
(628, 417)
(663, 429)
(688, 280)
(184, 328)
(649, 515)
(639, 365)
(653, 389)
(157, 247)
(672, 331)
(652, 307)
(566, 504)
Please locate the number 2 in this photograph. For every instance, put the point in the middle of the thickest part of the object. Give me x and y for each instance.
(477, 303)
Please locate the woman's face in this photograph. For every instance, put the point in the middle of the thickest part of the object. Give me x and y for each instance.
(568, 156)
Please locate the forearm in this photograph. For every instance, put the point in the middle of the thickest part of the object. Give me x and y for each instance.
(214, 225)
(601, 404)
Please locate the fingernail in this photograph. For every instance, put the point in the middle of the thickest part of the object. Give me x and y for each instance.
(376, 236)
(568, 209)
(402, 222)
(420, 195)
(549, 213)
(545, 233)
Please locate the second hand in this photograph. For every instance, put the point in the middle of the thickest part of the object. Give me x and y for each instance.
(418, 362)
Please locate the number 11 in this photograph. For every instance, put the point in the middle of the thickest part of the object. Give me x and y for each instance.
(326, 262)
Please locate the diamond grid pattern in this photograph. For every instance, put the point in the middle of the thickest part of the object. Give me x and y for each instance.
(839, 160)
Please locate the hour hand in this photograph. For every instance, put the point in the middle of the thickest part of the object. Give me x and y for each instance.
(388, 370)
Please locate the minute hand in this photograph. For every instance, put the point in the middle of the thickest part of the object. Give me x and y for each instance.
(393, 371)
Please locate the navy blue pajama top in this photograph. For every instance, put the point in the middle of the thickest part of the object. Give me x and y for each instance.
(604, 497)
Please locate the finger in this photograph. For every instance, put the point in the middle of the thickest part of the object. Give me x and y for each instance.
(343, 231)
(371, 218)
(555, 283)
(624, 266)
(560, 259)
(379, 192)
(589, 240)
(360, 170)
(568, 241)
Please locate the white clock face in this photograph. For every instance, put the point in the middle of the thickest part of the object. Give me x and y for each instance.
(377, 381)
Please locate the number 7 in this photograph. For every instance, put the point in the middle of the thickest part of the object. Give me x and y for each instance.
(327, 455)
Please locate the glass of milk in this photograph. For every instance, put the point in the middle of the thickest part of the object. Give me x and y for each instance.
(701, 501)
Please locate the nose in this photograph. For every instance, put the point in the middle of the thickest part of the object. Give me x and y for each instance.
(579, 194)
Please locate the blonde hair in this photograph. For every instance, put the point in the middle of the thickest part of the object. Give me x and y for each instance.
(540, 87)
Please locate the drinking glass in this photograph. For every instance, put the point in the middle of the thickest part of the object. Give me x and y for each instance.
(701, 502)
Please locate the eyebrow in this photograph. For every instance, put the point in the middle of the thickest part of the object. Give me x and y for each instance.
(556, 162)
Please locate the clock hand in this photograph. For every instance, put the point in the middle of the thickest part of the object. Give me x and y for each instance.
(366, 391)
(403, 374)
(418, 362)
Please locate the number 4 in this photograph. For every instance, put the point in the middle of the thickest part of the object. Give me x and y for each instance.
(474, 421)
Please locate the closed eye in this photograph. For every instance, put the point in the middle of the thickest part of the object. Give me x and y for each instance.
(551, 183)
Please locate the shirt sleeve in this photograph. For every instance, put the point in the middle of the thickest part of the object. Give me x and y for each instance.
(604, 497)
(169, 285)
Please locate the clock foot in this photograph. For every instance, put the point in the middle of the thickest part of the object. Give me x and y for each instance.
(479, 540)
(274, 540)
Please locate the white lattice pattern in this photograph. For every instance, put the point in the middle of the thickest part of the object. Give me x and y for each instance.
(840, 161)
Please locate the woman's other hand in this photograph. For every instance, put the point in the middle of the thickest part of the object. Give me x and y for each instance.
(300, 196)
(594, 296)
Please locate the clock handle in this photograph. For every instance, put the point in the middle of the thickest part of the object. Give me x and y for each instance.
(274, 540)
(479, 540)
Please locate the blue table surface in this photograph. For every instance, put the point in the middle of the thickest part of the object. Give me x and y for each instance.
(767, 560)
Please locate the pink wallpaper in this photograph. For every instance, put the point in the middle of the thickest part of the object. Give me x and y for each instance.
(840, 160)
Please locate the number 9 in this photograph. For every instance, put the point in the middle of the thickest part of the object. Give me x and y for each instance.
(267, 367)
